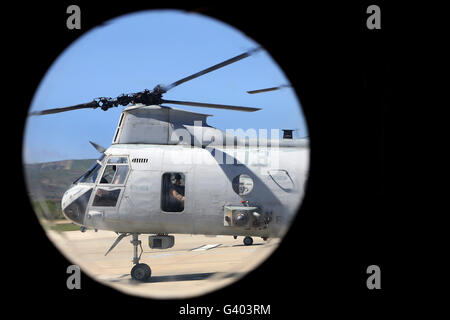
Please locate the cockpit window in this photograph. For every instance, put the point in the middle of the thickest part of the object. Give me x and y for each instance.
(121, 174)
(106, 198)
(108, 174)
(91, 175)
(115, 173)
(118, 160)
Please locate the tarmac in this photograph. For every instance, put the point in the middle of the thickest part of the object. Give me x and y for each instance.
(194, 266)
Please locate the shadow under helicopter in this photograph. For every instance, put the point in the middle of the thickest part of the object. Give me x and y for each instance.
(245, 245)
(184, 277)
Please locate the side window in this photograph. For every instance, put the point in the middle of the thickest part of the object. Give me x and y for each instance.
(282, 179)
(106, 198)
(116, 171)
(242, 184)
(108, 174)
(172, 192)
(121, 174)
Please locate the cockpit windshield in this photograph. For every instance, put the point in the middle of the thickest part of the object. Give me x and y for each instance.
(91, 175)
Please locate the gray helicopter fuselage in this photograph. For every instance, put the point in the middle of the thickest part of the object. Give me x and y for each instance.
(228, 184)
(266, 184)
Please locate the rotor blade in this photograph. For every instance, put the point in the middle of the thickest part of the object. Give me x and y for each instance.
(215, 67)
(263, 90)
(267, 89)
(92, 105)
(212, 105)
(98, 147)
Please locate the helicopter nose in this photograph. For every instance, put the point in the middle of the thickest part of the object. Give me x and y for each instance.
(74, 203)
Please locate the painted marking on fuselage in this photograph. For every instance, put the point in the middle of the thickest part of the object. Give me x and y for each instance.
(207, 247)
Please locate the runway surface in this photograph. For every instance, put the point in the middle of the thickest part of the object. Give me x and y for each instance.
(195, 265)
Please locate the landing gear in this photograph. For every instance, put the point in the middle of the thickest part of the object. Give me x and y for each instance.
(248, 241)
(140, 271)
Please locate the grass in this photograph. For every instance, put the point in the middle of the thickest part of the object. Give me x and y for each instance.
(65, 227)
(60, 226)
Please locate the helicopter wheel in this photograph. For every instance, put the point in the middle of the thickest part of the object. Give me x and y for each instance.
(141, 272)
(248, 241)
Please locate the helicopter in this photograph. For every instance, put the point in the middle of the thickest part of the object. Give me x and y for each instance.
(168, 171)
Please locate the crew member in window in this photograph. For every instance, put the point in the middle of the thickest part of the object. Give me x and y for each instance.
(108, 174)
(177, 190)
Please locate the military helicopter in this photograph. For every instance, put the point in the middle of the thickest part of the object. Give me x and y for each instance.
(168, 171)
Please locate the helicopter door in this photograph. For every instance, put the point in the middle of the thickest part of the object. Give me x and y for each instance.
(110, 188)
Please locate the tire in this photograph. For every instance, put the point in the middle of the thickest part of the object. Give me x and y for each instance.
(248, 241)
(141, 272)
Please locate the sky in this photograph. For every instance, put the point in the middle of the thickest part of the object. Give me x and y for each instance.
(140, 50)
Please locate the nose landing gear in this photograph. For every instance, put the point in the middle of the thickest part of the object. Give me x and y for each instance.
(140, 271)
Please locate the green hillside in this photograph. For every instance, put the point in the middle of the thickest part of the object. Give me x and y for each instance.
(49, 180)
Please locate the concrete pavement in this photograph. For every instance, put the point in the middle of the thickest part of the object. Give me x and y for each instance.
(195, 265)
